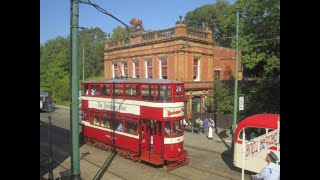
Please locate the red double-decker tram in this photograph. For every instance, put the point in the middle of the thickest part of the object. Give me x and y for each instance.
(141, 119)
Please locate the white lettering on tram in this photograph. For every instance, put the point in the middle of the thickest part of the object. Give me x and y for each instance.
(177, 105)
(260, 143)
(124, 108)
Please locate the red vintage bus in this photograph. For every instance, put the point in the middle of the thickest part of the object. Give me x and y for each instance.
(141, 119)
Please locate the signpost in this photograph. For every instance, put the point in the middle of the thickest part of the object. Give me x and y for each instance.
(241, 103)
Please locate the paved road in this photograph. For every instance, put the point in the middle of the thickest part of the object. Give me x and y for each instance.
(99, 164)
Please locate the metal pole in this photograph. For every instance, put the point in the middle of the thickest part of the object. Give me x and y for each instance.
(50, 176)
(70, 81)
(75, 91)
(278, 146)
(243, 152)
(235, 105)
(83, 64)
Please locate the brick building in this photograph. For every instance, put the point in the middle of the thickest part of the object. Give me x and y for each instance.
(177, 53)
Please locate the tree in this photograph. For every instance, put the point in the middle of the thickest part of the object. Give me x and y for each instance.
(260, 36)
(221, 99)
(119, 33)
(54, 68)
(92, 43)
(259, 43)
(215, 16)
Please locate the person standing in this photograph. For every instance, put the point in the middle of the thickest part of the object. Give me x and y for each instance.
(271, 171)
(206, 126)
(211, 125)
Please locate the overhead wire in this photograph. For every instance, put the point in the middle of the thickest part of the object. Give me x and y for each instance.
(105, 12)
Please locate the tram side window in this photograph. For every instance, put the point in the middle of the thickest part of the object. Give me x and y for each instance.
(84, 115)
(85, 89)
(118, 90)
(147, 92)
(96, 120)
(120, 126)
(131, 127)
(105, 122)
(105, 90)
(177, 127)
(168, 127)
(131, 91)
(163, 93)
(94, 90)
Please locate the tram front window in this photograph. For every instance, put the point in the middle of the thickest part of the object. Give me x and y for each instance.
(177, 127)
(168, 128)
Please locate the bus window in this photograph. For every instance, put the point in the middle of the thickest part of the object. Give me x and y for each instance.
(252, 133)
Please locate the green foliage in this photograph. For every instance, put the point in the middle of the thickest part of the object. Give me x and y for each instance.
(215, 16)
(260, 26)
(259, 43)
(263, 97)
(55, 62)
(222, 99)
(119, 33)
(259, 35)
(54, 65)
(91, 52)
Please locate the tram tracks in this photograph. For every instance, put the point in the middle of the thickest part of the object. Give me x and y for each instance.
(102, 168)
(177, 175)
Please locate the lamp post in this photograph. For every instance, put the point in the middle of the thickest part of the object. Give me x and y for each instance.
(74, 21)
(235, 105)
(82, 64)
(49, 109)
(74, 91)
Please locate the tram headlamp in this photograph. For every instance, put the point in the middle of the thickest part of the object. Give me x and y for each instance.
(179, 149)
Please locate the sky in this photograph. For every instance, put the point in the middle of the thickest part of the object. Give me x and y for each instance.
(155, 14)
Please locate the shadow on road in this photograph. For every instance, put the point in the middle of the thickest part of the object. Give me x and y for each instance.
(105, 166)
(227, 157)
(222, 135)
(61, 147)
